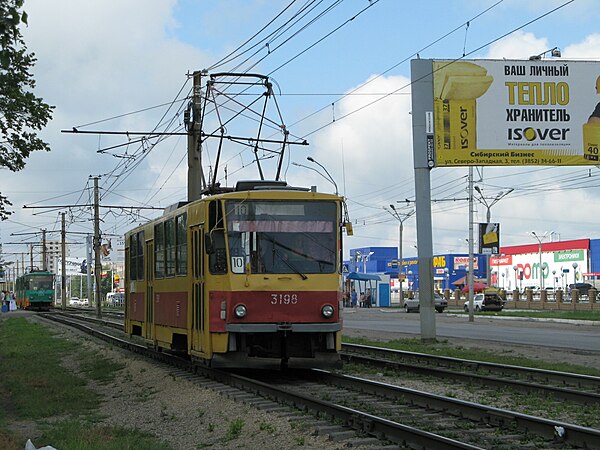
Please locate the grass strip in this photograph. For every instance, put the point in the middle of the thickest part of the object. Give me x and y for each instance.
(443, 348)
(36, 387)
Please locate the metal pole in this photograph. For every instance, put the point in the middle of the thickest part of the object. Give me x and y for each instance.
(421, 72)
(44, 264)
(540, 269)
(88, 254)
(470, 273)
(63, 268)
(97, 242)
(400, 230)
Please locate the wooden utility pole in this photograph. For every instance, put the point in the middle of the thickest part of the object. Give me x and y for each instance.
(194, 126)
(97, 244)
(63, 264)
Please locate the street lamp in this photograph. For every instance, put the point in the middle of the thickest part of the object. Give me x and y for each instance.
(446, 273)
(540, 239)
(326, 171)
(503, 285)
(365, 258)
(400, 218)
(554, 281)
(410, 272)
(515, 268)
(328, 178)
(574, 274)
(357, 255)
(488, 217)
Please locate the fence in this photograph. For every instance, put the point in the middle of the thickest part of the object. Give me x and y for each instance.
(542, 300)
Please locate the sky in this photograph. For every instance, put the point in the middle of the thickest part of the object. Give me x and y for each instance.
(109, 65)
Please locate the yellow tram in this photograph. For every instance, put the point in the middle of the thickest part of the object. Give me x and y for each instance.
(250, 277)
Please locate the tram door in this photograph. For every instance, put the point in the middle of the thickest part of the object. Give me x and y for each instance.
(149, 300)
(199, 340)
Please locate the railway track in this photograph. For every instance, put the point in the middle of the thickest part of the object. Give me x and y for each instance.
(584, 389)
(367, 412)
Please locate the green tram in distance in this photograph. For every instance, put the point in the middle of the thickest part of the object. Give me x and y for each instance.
(35, 290)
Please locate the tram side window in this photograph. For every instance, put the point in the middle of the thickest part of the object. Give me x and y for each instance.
(159, 250)
(215, 246)
(170, 247)
(136, 256)
(181, 244)
(140, 255)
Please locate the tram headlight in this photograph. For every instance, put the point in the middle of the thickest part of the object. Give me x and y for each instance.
(240, 311)
(327, 311)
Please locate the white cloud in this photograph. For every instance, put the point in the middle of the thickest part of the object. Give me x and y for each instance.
(518, 45)
(101, 58)
(588, 49)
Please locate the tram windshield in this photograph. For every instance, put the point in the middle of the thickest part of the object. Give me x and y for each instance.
(282, 236)
(40, 283)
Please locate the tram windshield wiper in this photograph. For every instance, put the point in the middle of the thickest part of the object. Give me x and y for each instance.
(278, 253)
(287, 263)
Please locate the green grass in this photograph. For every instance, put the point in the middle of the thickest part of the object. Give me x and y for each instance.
(36, 387)
(80, 435)
(98, 368)
(442, 348)
(235, 429)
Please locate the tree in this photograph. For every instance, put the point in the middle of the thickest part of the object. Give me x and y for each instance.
(21, 112)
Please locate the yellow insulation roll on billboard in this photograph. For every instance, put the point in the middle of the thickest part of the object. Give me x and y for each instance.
(456, 88)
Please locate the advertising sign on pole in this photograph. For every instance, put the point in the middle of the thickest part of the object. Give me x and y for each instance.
(516, 113)
(489, 238)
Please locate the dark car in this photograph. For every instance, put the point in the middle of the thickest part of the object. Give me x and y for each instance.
(412, 304)
(583, 288)
(487, 301)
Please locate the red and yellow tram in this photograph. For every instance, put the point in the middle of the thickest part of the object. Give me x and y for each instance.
(245, 278)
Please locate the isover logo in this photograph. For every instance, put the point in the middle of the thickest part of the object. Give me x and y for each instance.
(464, 128)
(537, 134)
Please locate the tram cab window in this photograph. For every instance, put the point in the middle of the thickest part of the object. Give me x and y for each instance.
(215, 239)
(282, 236)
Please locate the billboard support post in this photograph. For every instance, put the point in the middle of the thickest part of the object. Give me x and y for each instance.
(422, 107)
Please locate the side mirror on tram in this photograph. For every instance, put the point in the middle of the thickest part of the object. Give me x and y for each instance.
(208, 244)
(348, 226)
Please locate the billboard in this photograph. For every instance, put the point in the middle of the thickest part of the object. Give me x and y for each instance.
(516, 113)
(72, 266)
(557, 269)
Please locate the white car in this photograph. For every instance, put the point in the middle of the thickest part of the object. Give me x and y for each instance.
(489, 301)
(412, 304)
(75, 301)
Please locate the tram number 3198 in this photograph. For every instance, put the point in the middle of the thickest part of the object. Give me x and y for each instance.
(284, 299)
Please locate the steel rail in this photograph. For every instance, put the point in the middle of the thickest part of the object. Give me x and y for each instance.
(541, 375)
(549, 429)
(376, 426)
(583, 397)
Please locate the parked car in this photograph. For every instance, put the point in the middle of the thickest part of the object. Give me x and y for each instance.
(583, 288)
(412, 304)
(75, 301)
(487, 301)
